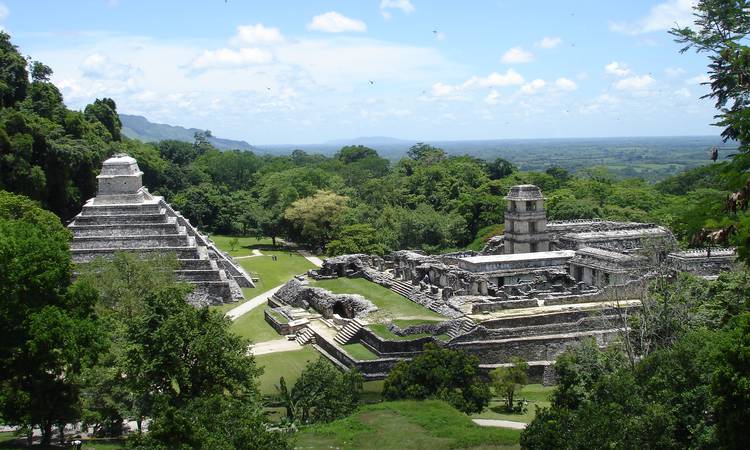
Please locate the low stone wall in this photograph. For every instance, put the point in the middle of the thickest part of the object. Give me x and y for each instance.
(281, 323)
(542, 348)
(382, 346)
(376, 369)
(590, 323)
(479, 308)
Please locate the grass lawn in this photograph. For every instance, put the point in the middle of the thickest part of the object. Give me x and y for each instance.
(359, 351)
(536, 394)
(245, 245)
(273, 273)
(429, 424)
(253, 325)
(283, 364)
(389, 303)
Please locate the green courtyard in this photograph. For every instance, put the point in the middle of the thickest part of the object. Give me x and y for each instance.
(390, 305)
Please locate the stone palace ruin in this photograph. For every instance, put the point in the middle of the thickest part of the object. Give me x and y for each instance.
(530, 293)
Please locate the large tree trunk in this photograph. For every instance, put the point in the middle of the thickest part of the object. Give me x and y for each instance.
(61, 427)
(273, 240)
(46, 434)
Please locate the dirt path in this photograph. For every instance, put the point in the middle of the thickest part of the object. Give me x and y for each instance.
(499, 423)
(256, 252)
(251, 304)
(275, 346)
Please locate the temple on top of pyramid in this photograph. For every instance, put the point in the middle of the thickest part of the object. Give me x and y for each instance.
(124, 216)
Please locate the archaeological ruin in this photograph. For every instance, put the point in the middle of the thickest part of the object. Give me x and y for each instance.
(124, 216)
(530, 293)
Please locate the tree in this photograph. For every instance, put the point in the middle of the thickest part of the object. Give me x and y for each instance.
(50, 330)
(500, 168)
(425, 154)
(357, 238)
(317, 218)
(105, 112)
(322, 393)
(13, 76)
(721, 30)
(439, 373)
(40, 71)
(506, 381)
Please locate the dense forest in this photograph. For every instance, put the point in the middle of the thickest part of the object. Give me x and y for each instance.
(353, 201)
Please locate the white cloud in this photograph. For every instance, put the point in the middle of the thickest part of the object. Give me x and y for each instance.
(698, 79)
(98, 66)
(683, 92)
(549, 42)
(256, 35)
(533, 86)
(492, 98)
(443, 90)
(516, 55)
(661, 17)
(674, 71)
(404, 5)
(634, 83)
(228, 58)
(4, 11)
(333, 22)
(509, 78)
(617, 69)
(565, 84)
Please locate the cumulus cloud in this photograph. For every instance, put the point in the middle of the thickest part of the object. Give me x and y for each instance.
(492, 98)
(443, 90)
(257, 34)
(533, 86)
(98, 66)
(661, 17)
(565, 84)
(509, 78)
(516, 55)
(617, 69)
(4, 11)
(333, 22)
(228, 58)
(698, 79)
(549, 42)
(634, 83)
(404, 5)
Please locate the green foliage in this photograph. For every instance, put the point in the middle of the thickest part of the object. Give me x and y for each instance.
(506, 381)
(321, 393)
(357, 238)
(686, 389)
(316, 218)
(50, 331)
(439, 373)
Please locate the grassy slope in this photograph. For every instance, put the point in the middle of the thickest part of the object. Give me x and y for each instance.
(273, 273)
(389, 303)
(245, 245)
(359, 351)
(253, 326)
(427, 424)
(286, 364)
(535, 394)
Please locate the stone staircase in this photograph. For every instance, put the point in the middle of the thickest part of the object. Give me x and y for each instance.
(401, 287)
(305, 336)
(465, 326)
(349, 332)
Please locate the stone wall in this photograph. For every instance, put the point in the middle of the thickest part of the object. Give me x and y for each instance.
(295, 293)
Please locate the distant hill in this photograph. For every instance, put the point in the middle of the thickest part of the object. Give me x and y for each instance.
(370, 140)
(138, 127)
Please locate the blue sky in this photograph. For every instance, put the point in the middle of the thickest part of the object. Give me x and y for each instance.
(310, 71)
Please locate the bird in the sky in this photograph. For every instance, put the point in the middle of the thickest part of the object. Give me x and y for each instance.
(371, 82)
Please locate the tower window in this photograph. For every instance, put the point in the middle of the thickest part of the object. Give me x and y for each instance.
(530, 205)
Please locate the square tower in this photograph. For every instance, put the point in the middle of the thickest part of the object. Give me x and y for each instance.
(525, 220)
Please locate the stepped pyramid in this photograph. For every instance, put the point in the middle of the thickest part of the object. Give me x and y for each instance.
(124, 216)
